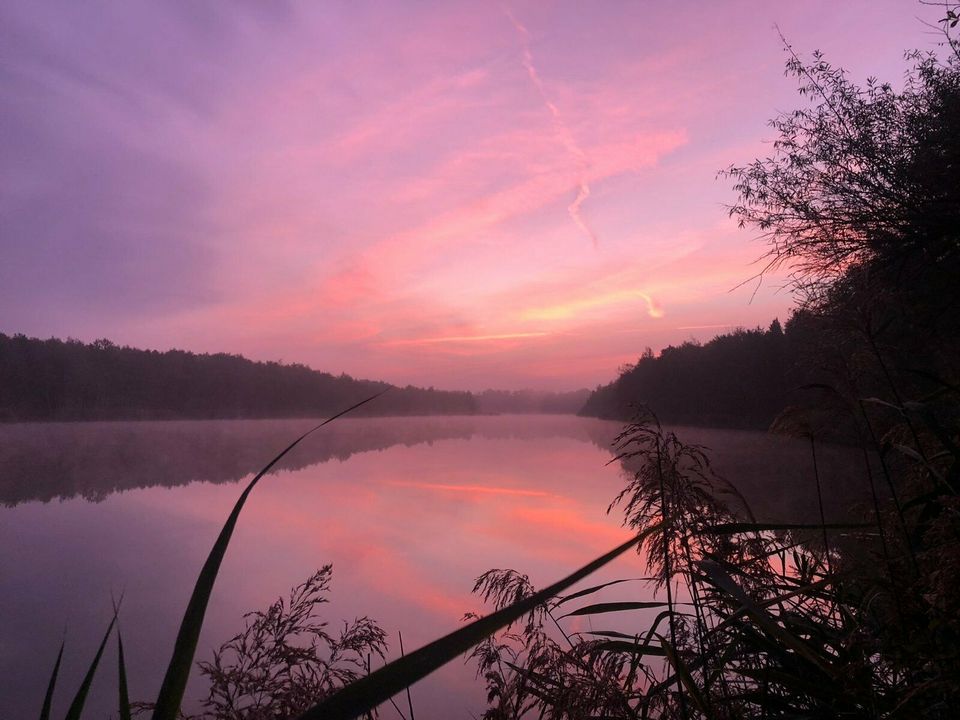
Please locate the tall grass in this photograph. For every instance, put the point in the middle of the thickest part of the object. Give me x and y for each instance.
(782, 620)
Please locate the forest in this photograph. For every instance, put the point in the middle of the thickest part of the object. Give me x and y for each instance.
(70, 380)
(496, 402)
(739, 379)
(748, 379)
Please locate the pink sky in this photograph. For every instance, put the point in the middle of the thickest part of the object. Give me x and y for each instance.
(459, 195)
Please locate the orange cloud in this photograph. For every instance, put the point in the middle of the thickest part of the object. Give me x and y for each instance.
(703, 327)
(463, 338)
(581, 306)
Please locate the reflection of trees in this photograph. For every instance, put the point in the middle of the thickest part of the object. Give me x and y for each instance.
(774, 472)
(92, 460)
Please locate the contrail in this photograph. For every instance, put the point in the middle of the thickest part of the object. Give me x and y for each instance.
(653, 307)
(563, 132)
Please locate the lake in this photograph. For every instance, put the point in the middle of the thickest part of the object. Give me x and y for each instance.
(408, 510)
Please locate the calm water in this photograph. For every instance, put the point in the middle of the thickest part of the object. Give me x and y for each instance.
(409, 511)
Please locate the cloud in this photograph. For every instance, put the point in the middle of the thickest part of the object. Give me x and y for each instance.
(603, 301)
(703, 327)
(89, 217)
(388, 191)
(562, 131)
(464, 338)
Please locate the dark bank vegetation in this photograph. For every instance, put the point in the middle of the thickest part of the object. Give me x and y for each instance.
(751, 619)
(70, 380)
(287, 657)
(740, 379)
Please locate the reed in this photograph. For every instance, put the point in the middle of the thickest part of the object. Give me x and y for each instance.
(803, 637)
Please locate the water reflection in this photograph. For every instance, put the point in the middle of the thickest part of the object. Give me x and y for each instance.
(45, 461)
(410, 513)
(91, 460)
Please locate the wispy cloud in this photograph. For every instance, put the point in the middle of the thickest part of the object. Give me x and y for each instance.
(394, 190)
(562, 131)
(582, 305)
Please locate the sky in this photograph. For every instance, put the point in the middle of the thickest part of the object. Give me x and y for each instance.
(458, 195)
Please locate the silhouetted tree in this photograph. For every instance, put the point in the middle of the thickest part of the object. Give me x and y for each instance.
(70, 380)
(737, 379)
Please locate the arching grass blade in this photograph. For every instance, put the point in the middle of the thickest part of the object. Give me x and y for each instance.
(633, 648)
(595, 588)
(600, 608)
(185, 646)
(747, 527)
(76, 707)
(124, 699)
(48, 698)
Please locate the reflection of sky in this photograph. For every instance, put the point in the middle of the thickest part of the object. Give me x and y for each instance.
(407, 529)
(455, 194)
(42, 461)
(415, 512)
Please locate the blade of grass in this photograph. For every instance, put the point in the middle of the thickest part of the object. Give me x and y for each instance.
(409, 699)
(609, 634)
(185, 646)
(48, 698)
(686, 678)
(601, 608)
(634, 648)
(76, 707)
(595, 588)
(743, 527)
(124, 699)
(368, 692)
(720, 579)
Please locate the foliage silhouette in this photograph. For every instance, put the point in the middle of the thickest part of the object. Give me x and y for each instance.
(69, 380)
(286, 658)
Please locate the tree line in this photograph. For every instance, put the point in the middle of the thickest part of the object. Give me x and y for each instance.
(71, 380)
(737, 379)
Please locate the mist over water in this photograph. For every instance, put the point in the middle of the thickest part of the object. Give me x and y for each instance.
(408, 510)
